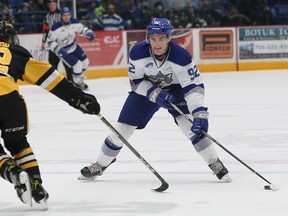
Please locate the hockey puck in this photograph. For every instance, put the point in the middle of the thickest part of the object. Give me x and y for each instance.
(267, 187)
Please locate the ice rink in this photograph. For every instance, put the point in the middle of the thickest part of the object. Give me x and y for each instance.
(248, 115)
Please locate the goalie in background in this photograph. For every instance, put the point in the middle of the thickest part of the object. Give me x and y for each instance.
(160, 72)
(62, 41)
(20, 167)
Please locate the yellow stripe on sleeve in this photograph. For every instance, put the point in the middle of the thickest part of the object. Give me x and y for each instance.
(35, 69)
(29, 165)
(23, 153)
(53, 80)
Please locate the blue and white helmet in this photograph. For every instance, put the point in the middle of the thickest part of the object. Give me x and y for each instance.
(65, 10)
(159, 26)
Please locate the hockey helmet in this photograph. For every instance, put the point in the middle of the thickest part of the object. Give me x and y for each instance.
(65, 10)
(8, 33)
(159, 26)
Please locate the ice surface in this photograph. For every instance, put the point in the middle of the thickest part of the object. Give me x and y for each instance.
(248, 115)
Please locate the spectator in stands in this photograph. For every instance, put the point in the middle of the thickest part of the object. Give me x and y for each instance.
(96, 9)
(111, 21)
(262, 15)
(159, 10)
(131, 14)
(209, 14)
(6, 13)
(234, 18)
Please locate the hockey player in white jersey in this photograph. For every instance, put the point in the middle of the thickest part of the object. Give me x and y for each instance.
(62, 41)
(160, 71)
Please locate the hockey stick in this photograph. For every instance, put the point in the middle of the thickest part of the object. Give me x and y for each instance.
(164, 185)
(266, 187)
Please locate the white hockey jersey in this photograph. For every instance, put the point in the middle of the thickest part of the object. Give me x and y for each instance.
(176, 69)
(62, 35)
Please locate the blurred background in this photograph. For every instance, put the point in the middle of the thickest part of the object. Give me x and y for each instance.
(27, 15)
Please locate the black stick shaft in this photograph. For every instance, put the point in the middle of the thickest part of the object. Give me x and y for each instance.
(164, 185)
(215, 141)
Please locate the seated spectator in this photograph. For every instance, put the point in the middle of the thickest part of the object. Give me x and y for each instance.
(262, 15)
(111, 21)
(95, 10)
(131, 14)
(234, 18)
(209, 14)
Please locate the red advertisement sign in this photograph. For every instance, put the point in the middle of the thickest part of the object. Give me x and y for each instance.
(105, 50)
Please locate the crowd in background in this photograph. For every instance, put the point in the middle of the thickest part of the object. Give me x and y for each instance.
(27, 15)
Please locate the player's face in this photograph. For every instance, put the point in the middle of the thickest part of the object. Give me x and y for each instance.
(66, 17)
(159, 43)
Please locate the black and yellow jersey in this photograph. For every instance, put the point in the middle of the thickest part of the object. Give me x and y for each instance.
(16, 63)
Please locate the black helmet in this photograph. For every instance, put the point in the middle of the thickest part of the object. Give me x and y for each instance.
(8, 33)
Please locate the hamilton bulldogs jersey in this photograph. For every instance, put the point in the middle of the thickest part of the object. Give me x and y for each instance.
(62, 35)
(16, 63)
(176, 70)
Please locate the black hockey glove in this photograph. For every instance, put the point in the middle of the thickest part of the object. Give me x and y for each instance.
(87, 103)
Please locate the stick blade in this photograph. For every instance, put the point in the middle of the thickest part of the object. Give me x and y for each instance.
(162, 188)
(271, 187)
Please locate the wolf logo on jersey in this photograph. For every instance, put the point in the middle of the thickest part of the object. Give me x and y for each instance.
(160, 79)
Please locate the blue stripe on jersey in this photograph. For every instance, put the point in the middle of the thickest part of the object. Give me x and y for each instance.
(140, 50)
(179, 55)
(74, 20)
(56, 26)
(191, 86)
(136, 81)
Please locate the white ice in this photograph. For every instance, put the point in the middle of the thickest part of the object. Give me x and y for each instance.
(248, 115)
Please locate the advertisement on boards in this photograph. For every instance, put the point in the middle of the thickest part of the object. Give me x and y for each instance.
(105, 50)
(216, 44)
(263, 43)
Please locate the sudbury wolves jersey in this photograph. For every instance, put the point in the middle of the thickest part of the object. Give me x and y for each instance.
(176, 70)
(62, 35)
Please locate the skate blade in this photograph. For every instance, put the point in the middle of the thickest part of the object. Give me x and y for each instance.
(27, 195)
(81, 177)
(44, 204)
(226, 178)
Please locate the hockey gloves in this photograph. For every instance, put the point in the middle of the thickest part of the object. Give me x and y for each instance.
(90, 36)
(161, 97)
(87, 103)
(200, 121)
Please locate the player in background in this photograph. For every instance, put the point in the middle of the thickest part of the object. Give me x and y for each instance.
(62, 41)
(160, 71)
(52, 17)
(16, 63)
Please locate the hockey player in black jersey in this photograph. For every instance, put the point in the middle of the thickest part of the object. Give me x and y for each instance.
(16, 63)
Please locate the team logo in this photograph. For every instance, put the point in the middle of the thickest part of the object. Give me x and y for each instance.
(161, 79)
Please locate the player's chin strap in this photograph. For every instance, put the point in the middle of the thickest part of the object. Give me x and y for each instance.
(164, 186)
(267, 187)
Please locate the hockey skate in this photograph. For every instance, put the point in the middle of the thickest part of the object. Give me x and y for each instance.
(21, 182)
(39, 194)
(220, 171)
(93, 171)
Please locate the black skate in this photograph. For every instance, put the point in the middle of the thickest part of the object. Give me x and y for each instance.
(220, 171)
(21, 182)
(91, 172)
(39, 194)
